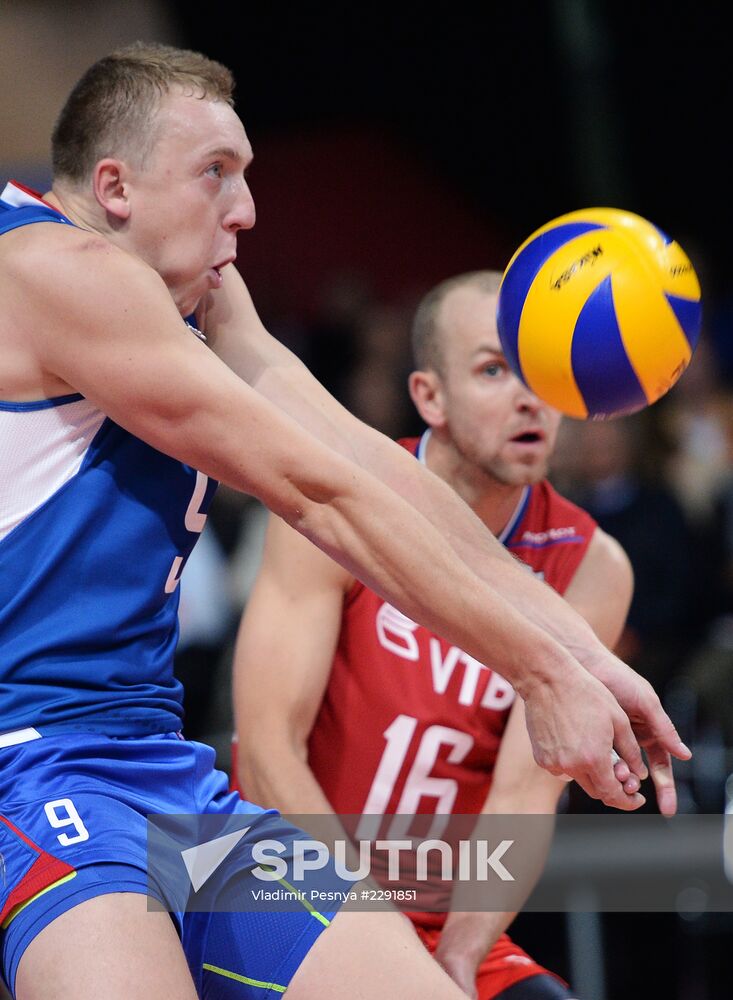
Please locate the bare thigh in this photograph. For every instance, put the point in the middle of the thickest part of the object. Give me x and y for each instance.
(371, 956)
(109, 946)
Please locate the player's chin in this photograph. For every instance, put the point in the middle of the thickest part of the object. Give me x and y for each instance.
(187, 297)
(524, 473)
(525, 453)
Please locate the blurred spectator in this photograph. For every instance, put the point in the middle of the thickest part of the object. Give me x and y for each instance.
(694, 415)
(333, 339)
(709, 671)
(375, 389)
(615, 470)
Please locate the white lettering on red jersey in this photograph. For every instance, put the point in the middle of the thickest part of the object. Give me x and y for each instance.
(410, 723)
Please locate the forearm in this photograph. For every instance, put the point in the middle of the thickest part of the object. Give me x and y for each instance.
(402, 557)
(239, 437)
(499, 612)
(274, 774)
(276, 373)
(477, 547)
(292, 388)
(475, 931)
(472, 935)
(523, 799)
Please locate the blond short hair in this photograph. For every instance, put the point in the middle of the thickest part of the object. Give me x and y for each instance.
(111, 110)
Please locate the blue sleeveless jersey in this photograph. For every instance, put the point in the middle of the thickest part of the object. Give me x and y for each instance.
(88, 574)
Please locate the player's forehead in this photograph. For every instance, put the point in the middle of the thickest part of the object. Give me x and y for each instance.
(467, 323)
(190, 124)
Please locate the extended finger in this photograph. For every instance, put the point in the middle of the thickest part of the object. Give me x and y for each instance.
(663, 731)
(669, 738)
(660, 765)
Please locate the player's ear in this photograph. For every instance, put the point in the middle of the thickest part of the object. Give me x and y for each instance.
(110, 188)
(426, 390)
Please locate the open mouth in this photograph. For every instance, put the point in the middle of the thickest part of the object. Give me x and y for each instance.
(219, 267)
(529, 437)
(223, 263)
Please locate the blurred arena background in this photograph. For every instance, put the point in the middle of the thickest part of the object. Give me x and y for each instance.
(392, 150)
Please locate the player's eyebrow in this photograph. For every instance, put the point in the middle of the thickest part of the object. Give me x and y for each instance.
(488, 349)
(228, 153)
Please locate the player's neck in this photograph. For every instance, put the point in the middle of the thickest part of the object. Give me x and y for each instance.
(75, 208)
(494, 501)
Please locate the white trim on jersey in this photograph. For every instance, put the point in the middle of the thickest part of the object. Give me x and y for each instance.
(42, 446)
(19, 197)
(18, 736)
(516, 516)
(422, 446)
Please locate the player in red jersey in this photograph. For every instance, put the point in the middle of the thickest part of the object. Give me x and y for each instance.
(343, 703)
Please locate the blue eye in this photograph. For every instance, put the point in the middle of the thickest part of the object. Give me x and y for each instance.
(493, 369)
(215, 168)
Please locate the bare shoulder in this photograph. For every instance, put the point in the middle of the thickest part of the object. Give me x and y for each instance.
(26, 247)
(59, 284)
(67, 270)
(605, 554)
(602, 587)
(62, 279)
(43, 257)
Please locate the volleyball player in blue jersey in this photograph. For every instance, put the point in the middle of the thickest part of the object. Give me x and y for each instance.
(115, 422)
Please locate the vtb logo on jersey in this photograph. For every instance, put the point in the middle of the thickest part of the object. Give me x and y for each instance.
(399, 634)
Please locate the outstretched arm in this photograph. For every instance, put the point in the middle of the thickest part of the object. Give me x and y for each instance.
(240, 339)
(90, 318)
(97, 320)
(133, 357)
(601, 591)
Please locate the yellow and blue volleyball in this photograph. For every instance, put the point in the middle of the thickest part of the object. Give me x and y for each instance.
(599, 313)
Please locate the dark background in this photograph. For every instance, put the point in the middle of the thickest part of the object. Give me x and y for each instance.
(405, 146)
(518, 112)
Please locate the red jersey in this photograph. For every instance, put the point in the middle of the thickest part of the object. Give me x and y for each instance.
(409, 723)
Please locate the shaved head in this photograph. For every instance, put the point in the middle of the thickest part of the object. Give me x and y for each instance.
(428, 347)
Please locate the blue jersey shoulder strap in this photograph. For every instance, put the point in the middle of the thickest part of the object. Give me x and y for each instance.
(12, 217)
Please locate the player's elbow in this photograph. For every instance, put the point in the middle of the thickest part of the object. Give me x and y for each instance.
(309, 495)
(268, 746)
(254, 761)
(251, 775)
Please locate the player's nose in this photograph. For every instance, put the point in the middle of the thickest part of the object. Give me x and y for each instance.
(525, 399)
(241, 214)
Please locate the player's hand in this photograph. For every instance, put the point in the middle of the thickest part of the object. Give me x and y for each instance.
(652, 727)
(574, 724)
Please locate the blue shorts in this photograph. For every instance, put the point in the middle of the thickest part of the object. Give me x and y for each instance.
(73, 825)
